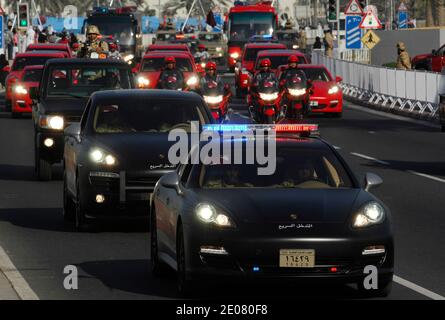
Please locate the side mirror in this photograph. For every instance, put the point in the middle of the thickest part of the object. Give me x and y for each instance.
(34, 93)
(434, 52)
(171, 180)
(372, 181)
(73, 131)
(338, 79)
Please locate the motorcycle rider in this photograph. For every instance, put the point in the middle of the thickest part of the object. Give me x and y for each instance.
(93, 43)
(114, 51)
(291, 72)
(264, 74)
(211, 75)
(170, 74)
(202, 53)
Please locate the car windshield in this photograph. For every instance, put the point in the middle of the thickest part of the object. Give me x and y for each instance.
(33, 75)
(295, 168)
(278, 61)
(82, 81)
(285, 36)
(52, 49)
(146, 116)
(22, 62)
(157, 64)
(251, 53)
(243, 25)
(317, 74)
(120, 27)
(165, 36)
(167, 49)
(210, 37)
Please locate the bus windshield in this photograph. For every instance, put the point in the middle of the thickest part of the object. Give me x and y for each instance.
(120, 27)
(243, 25)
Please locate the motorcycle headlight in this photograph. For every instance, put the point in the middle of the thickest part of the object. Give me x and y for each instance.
(203, 64)
(99, 156)
(297, 92)
(143, 82)
(128, 57)
(295, 46)
(234, 55)
(192, 81)
(333, 90)
(208, 214)
(213, 100)
(370, 214)
(20, 90)
(269, 96)
(52, 122)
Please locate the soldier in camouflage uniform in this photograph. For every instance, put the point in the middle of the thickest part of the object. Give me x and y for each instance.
(403, 59)
(93, 44)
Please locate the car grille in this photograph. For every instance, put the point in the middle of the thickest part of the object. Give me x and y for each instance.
(141, 181)
(107, 184)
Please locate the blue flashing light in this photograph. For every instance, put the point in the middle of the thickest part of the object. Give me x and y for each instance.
(256, 269)
(100, 9)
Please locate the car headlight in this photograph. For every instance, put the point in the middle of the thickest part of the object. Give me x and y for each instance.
(295, 46)
(99, 156)
(333, 90)
(20, 90)
(128, 57)
(218, 49)
(143, 82)
(52, 122)
(192, 81)
(297, 92)
(208, 214)
(269, 96)
(213, 100)
(370, 214)
(234, 55)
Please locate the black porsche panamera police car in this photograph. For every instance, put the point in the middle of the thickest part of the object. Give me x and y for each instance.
(311, 219)
(116, 154)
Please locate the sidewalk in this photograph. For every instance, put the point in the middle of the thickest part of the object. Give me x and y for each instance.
(6, 290)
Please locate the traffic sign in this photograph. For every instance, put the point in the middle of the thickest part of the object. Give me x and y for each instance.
(354, 8)
(1, 33)
(370, 39)
(403, 19)
(353, 32)
(402, 7)
(370, 21)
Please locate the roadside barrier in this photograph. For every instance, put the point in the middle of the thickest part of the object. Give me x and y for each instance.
(412, 92)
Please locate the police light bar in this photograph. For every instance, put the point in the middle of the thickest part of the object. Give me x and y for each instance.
(299, 128)
(100, 9)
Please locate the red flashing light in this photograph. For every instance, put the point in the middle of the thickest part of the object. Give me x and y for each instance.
(180, 36)
(296, 127)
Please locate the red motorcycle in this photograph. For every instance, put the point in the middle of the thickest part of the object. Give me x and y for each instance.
(265, 102)
(217, 96)
(296, 91)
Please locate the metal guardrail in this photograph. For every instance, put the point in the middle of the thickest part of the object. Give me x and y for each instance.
(410, 92)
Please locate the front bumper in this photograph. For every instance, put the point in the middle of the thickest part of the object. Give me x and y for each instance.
(258, 256)
(326, 105)
(20, 105)
(126, 193)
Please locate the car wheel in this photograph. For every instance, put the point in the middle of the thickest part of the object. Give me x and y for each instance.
(384, 289)
(8, 105)
(69, 208)
(158, 268)
(82, 223)
(442, 128)
(15, 115)
(185, 287)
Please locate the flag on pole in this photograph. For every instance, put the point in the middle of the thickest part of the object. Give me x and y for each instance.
(211, 19)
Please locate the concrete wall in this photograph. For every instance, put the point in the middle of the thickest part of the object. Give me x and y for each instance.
(416, 41)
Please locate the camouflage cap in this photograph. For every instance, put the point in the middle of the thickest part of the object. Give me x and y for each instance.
(401, 46)
(91, 29)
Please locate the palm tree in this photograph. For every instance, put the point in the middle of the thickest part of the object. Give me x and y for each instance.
(439, 8)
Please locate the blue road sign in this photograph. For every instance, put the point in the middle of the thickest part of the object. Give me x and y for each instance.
(1, 32)
(353, 32)
(403, 20)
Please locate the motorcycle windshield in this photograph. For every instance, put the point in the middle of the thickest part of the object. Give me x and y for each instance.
(213, 88)
(268, 86)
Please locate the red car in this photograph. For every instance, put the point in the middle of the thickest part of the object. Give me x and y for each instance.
(434, 61)
(20, 62)
(50, 47)
(168, 47)
(21, 101)
(152, 64)
(245, 68)
(327, 95)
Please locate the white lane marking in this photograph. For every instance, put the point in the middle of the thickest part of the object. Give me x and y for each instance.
(417, 288)
(392, 116)
(363, 156)
(427, 176)
(19, 284)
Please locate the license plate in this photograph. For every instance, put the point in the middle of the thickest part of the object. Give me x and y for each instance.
(297, 258)
(313, 103)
